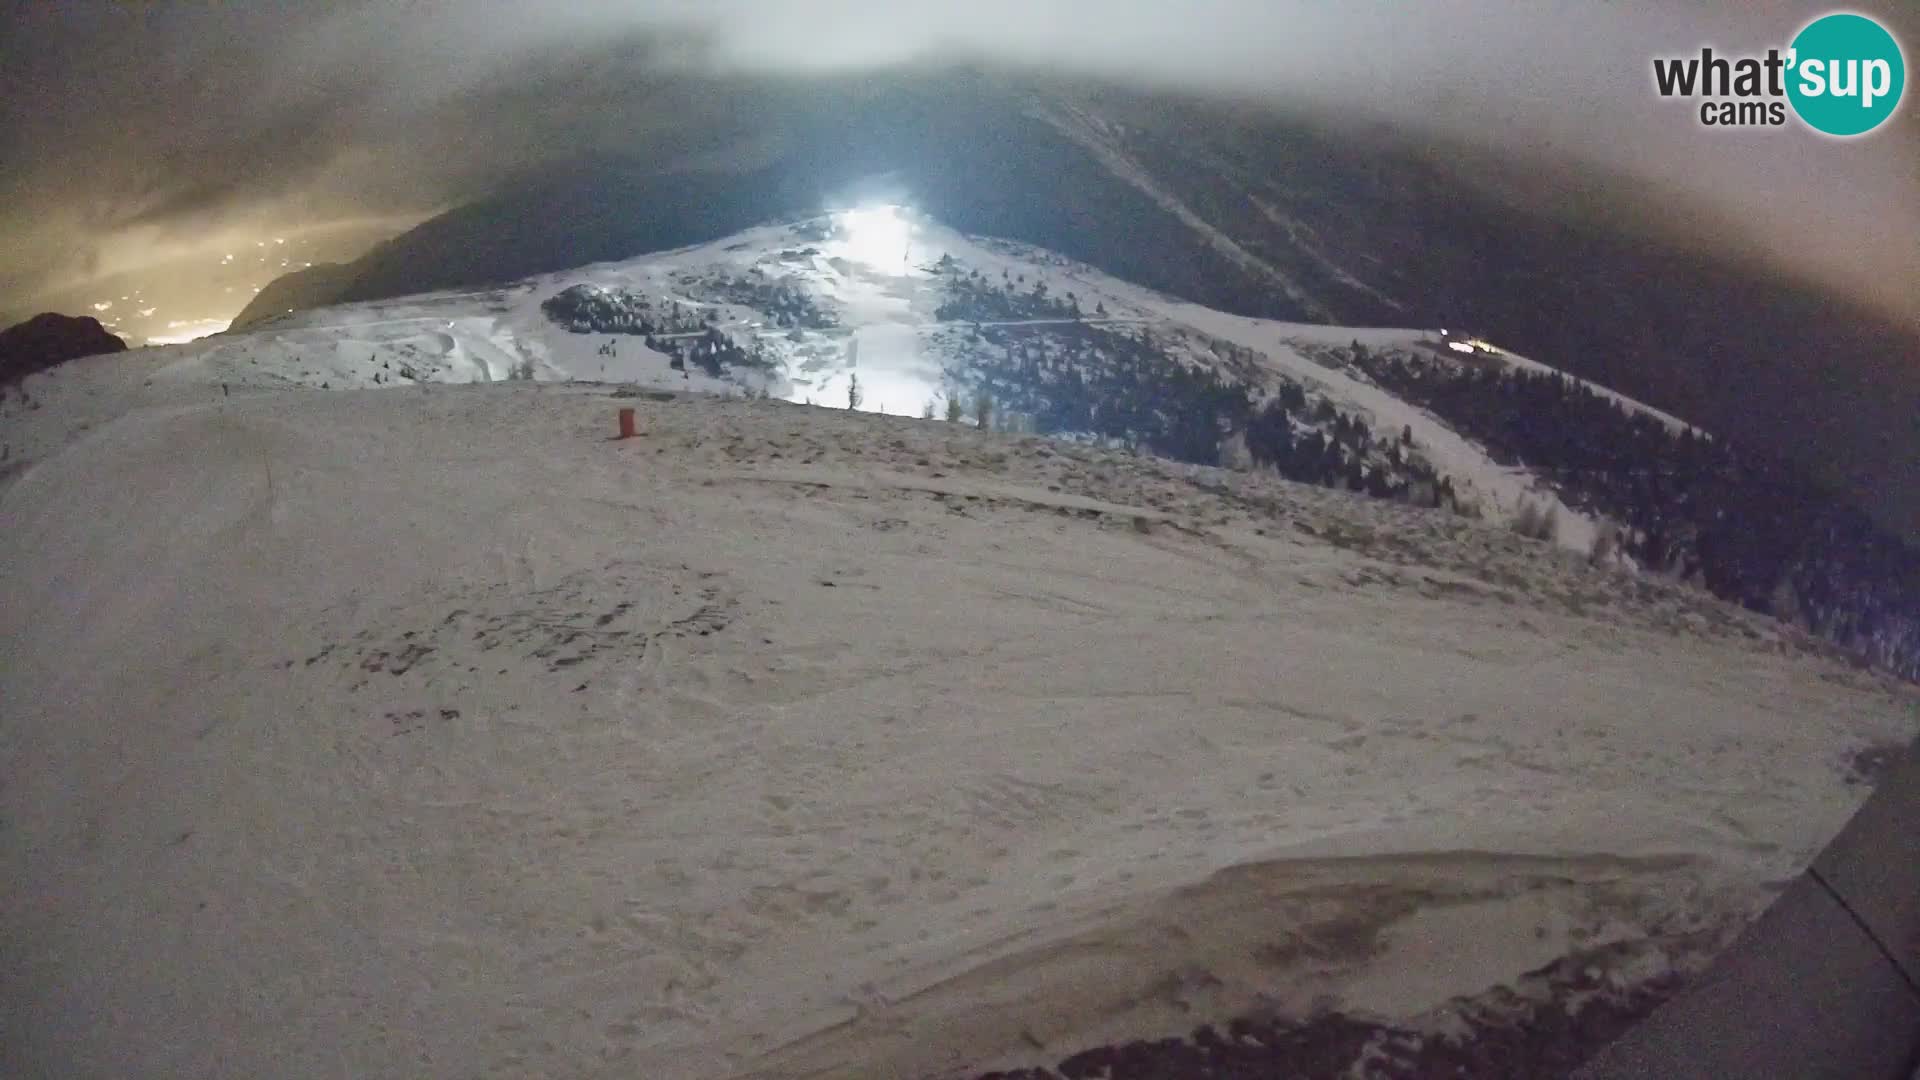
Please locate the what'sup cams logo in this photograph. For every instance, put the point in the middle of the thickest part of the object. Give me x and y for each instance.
(1843, 75)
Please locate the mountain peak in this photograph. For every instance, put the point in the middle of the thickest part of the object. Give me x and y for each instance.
(49, 339)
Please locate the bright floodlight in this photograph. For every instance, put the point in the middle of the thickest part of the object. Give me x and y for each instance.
(876, 235)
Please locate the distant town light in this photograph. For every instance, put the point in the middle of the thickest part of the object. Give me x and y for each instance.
(181, 331)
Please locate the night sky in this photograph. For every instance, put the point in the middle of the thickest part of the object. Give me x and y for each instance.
(143, 145)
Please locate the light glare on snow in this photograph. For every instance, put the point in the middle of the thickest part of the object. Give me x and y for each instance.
(878, 236)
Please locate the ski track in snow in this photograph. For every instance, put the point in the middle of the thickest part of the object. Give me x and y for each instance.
(430, 731)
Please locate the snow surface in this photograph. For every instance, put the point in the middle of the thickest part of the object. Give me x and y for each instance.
(430, 732)
(426, 730)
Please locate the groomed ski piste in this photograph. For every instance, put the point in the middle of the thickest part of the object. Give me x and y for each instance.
(428, 730)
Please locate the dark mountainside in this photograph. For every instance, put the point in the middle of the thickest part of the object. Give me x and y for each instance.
(1263, 214)
(311, 287)
(1741, 523)
(50, 339)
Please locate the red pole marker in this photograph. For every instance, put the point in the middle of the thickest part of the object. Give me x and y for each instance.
(626, 424)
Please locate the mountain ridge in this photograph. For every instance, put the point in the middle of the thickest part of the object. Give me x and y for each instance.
(1340, 224)
(50, 339)
(885, 309)
(780, 738)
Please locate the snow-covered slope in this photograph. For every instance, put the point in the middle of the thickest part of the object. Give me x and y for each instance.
(872, 282)
(429, 732)
(424, 730)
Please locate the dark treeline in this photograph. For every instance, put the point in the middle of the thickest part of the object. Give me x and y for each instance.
(590, 309)
(1126, 384)
(975, 297)
(1748, 527)
(713, 352)
(685, 334)
(1077, 378)
(786, 304)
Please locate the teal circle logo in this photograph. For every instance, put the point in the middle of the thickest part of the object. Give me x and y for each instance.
(1846, 74)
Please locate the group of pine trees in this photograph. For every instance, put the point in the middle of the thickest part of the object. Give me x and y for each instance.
(1749, 527)
(714, 352)
(1093, 380)
(1126, 384)
(1319, 444)
(686, 334)
(976, 298)
(982, 407)
(590, 309)
(786, 304)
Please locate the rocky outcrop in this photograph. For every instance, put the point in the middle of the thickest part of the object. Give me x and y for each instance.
(49, 339)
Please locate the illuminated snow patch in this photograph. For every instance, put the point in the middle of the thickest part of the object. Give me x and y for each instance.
(875, 235)
(181, 331)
